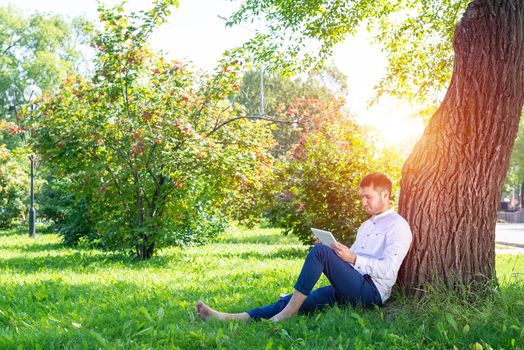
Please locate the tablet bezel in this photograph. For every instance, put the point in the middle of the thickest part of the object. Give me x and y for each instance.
(325, 237)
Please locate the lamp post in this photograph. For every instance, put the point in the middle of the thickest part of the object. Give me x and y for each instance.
(31, 93)
(261, 71)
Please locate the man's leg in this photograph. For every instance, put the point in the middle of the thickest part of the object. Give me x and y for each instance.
(292, 307)
(349, 284)
(315, 301)
(205, 313)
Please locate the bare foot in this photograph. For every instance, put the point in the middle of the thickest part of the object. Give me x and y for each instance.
(205, 312)
(281, 316)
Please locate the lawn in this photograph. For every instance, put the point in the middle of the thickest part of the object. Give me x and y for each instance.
(53, 297)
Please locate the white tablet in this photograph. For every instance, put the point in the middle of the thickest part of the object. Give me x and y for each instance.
(325, 236)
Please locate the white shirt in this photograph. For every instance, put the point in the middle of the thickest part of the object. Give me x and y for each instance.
(382, 243)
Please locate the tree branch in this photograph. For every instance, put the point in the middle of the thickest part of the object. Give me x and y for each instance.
(257, 117)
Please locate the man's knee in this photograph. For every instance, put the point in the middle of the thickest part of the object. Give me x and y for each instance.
(321, 250)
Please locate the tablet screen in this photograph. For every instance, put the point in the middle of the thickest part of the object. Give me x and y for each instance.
(324, 236)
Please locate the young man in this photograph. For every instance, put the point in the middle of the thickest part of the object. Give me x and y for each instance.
(363, 274)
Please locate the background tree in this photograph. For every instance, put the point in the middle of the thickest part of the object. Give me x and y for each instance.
(153, 151)
(320, 153)
(514, 182)
(318, 182)
(41, 48)
(451, 183)
(13, 185)
(293, 100)
(416, 36)
(325, 84)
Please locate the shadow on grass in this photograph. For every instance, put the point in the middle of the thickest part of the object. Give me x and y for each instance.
(35, 247)
(282, 253)
(77, 261)
(41, 257)
(255, 239)
(41, 229)
(59, 257)
(14, 231)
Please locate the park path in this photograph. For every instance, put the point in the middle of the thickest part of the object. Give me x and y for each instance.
(509, 238)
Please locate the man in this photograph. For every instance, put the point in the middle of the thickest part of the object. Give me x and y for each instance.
(363, 274)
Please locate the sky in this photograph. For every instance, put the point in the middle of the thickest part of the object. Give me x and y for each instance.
(194, 32)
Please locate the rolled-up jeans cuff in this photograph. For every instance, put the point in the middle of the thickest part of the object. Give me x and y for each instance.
(252, 314)
(301, 289)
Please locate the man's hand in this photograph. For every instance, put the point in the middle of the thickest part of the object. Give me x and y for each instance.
(344, 252)
(316, 240)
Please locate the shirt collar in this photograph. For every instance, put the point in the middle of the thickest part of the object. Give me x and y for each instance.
(374, 218)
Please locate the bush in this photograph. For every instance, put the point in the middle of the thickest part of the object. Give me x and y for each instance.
(319, 182)
(13, 188)
(66, 209)
(199, 226)
(146, 142)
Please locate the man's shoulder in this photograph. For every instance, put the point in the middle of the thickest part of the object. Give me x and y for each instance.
(398, 218)
(394, 221)
(398, 222)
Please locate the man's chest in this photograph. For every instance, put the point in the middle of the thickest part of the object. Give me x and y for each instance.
(371, 239)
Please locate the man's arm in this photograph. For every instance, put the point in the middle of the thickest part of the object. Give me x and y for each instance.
(398, 241)
(344, 252)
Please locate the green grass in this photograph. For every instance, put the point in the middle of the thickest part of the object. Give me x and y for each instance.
(54, 297)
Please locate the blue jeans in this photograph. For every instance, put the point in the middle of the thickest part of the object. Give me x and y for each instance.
(347, 285)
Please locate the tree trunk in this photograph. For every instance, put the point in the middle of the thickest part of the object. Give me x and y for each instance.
(145, 249)
(451, 183)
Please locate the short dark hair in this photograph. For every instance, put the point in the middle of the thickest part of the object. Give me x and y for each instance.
(377, 180)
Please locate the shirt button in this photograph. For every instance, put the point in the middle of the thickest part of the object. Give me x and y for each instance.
(362, 247)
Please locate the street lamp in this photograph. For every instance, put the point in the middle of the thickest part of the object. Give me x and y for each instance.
(261, 70)
(31, 93)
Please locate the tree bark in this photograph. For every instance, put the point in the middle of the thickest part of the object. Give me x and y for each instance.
(452, 181)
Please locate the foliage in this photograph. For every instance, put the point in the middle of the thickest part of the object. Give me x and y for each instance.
(321, 157)
(326, 84)
(293, 101)
(41, 48)
(415, 35)
(67, 208)
(151, 145)
(419, 48)
(13, 187)
(53, 297)
(319, 184)
(515, 174)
